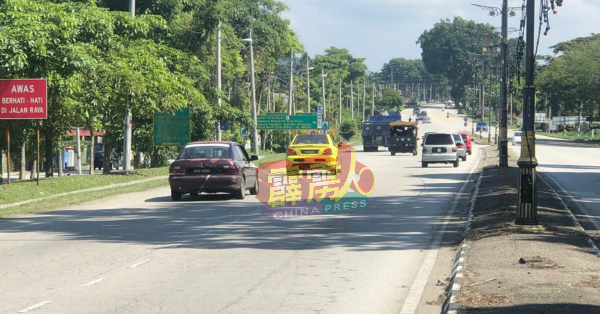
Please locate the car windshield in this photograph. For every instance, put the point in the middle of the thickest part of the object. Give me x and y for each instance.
(311, 139)
(205, 151)
(438, 139)
(457, 138)
(517, 133)
(464, 136)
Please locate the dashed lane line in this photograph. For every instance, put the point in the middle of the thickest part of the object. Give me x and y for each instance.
(35, 306)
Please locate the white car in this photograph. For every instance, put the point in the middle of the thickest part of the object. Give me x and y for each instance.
(461, 146)
(423, 119)
(516, 139)
(439, 148)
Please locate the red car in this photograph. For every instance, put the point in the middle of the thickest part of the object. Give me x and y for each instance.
(467, 139)
(213, 167)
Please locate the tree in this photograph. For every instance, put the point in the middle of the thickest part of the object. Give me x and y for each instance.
(391, 100)
(447, 48)
(347, 130)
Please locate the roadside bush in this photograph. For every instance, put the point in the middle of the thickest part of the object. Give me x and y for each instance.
(347, 130)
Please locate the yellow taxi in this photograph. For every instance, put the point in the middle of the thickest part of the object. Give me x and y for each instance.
(312, 152)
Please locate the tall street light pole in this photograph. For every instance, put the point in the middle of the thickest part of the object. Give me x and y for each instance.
(503, 147)
(128, 117)
(219, 78)
(373, 101)
(323, 75)
(340, 105)
(253, 87)
(308, 68)
(352, 98)
(291, 95)
(527, 200)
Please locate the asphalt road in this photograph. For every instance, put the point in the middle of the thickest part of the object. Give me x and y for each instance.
(142, 253)
(575, 168)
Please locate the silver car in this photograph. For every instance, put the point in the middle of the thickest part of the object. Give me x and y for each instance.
(461, 146)
(440, 148)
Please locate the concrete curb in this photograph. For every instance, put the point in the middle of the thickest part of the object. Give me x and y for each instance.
(574, 219)
(107, 187)
(450, 305)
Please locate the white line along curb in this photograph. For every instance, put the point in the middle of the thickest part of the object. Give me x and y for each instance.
(450, 305)
(108, 187)
(411, 302)
(574, 219)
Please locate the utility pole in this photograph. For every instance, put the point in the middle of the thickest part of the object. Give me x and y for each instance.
(503, 143)
(373, 102)
(323, 75)
(340, 109)
(352, 98)
(291, 81)
(364, 98)
(128, 118)
(78, 134)
(253, 87)
(308, 68)
(219, 78)
(527, 199)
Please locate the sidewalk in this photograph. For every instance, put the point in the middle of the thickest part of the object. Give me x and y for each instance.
(511, 269)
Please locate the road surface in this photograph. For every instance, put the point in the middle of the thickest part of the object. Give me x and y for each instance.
(142, 253)
(575, 167)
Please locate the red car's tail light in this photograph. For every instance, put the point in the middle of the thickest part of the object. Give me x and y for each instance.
(291, 152)
(228, 169)
(177, 170)
(454, 149)
(328, 151)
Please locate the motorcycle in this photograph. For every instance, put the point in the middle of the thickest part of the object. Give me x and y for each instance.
(448, 115)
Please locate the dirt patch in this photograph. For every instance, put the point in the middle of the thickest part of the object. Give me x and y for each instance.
(548, 268)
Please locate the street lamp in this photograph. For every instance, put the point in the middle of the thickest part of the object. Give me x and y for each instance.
(323, 76)
(308, 68)
(249, 41)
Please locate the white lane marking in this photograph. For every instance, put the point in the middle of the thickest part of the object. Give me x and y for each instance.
(35, 306)
(411, 303)
(93, 282)
(140, 263)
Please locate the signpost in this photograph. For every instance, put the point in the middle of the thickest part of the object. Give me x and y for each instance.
(172, 129)
(244, 132)
(23, 99)
(285, 122)
(326, 125)
(319, 116)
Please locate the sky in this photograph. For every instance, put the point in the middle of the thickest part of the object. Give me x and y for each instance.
(380, 30)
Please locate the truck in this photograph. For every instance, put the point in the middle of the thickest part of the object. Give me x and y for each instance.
(375, 132)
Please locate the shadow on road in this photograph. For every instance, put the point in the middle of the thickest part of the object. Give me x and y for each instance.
(219, 222)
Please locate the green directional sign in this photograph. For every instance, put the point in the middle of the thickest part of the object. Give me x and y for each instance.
(172, 129)
(285, 122)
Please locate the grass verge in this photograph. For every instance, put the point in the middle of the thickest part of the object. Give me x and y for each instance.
(80, 198)
(572, 136)
(28, 190)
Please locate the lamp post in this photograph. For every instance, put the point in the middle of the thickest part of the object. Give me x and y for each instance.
(527, 199)
(253, 87)
(308, 68)
(323, 76)
(219, 78)
(128, 117)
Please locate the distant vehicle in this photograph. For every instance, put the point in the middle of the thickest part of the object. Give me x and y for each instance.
(467, 139)
(424, 119)
(212, 167)
(404, 137)
(308, 150)
(516, 139)
(423, 113)
(461, 146)
(416, 110)
(439, 148)
(375, 132)
(482, 126)
(461, 111)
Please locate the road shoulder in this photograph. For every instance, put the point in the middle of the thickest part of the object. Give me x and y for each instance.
(511, 269)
